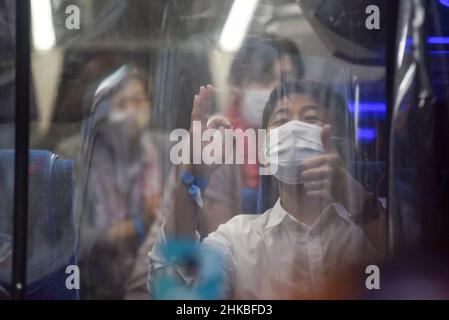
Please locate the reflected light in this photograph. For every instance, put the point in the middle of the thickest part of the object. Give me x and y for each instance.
(430, 40)
(369, 107)
(366, 134)
(439, 52)
(42, 24)
(438, 40)
(237, 24)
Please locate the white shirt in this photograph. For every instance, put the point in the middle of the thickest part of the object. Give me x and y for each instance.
(273, 255)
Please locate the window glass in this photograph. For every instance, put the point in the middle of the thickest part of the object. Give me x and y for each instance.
(296, 115)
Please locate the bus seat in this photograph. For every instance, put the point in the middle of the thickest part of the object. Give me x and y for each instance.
(51, 225)
(248, 197)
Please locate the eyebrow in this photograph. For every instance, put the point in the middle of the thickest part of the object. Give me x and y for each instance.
(286, 110)
(282, 109)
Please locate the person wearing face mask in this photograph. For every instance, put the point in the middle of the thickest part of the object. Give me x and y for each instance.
(288, 146)
(322, 227)
(259, 65)
(119, 183)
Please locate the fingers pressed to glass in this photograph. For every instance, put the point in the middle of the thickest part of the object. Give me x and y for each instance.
(202, 104)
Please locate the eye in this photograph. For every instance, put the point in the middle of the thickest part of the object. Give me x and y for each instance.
(311, 119)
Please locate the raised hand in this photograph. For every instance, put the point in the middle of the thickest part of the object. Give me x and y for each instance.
(201, 114)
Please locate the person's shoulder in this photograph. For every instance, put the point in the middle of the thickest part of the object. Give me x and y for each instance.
(245, 224)
(242, 233)
(245, 219)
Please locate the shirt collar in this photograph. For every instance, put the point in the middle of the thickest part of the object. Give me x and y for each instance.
(341, 211)
(278, 214)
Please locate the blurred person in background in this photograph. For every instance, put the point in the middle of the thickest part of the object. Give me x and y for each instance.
(259, 66)
(118, 183)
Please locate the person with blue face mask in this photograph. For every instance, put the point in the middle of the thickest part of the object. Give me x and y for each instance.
(322, 226)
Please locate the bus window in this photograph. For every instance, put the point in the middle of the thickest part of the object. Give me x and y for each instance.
(294, 105)
(223, 149)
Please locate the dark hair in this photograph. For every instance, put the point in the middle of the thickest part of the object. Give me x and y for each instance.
(256, 58)
(321, 93)
(329, 99)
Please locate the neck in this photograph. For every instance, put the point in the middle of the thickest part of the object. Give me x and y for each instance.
(295, 201)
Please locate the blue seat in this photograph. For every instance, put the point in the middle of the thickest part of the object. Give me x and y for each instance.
(51, 226)
(249, 200)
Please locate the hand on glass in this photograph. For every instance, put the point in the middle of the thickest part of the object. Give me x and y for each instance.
(201, 112)
(327, 178)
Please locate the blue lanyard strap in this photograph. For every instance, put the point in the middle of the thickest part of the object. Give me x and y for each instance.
(195, 184)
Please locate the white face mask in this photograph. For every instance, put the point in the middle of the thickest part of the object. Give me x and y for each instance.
(287, 146)
(253, 104)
